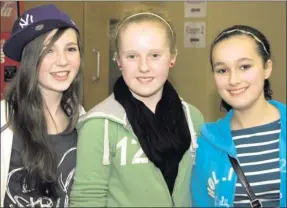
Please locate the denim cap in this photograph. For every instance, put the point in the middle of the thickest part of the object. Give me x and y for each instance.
(33, 23)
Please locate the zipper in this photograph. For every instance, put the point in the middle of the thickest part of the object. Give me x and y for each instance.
(179, 172)
(174, 188)
(170, 196)
(171, 201)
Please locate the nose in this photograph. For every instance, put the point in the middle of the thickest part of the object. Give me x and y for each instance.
(62, 59)
(234, 78)
(144, 68)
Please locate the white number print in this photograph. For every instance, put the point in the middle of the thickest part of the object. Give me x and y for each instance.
(138, 158)
(123, 145)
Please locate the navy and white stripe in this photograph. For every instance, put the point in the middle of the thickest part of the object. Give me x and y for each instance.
(258, 153)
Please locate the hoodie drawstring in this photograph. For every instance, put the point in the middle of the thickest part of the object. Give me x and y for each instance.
(106, 158)
(193, 145)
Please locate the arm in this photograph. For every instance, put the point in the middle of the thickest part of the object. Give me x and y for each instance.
(198, 186)
(91, 177)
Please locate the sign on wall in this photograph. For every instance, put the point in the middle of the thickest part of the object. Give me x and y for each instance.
(194, 34)
(9, 14)
(193, 8)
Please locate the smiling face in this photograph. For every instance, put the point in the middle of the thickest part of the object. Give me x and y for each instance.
(144, 57)
(239, 71)
(61, 64)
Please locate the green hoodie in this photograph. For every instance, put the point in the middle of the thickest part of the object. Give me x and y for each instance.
(112, 169)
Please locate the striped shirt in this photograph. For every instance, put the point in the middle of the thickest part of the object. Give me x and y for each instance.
(258, 154)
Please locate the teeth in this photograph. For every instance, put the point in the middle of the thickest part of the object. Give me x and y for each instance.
(60, 74)
(237, 91)
(145, 78)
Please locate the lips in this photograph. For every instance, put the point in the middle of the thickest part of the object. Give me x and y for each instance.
(237, 91)
(60, 76)
(145, 80)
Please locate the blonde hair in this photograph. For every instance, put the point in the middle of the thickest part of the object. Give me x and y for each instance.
(143, 14)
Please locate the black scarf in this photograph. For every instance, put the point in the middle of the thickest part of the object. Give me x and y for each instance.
(164, 135)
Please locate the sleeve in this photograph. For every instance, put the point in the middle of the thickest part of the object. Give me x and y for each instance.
(82, 110)
(91, 176)
(198, 186)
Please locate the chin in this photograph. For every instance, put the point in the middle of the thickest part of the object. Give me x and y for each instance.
(60, 89)
(145, 94)
(241, 106)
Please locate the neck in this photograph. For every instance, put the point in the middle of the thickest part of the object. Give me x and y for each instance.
(56, 118)
(52, 102)
(151, 101)
(260, 113)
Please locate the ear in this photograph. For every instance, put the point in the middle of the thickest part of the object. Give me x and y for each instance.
(268, 69)
(116, 59)
(173, 57)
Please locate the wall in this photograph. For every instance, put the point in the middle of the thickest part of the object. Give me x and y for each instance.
(192, 75)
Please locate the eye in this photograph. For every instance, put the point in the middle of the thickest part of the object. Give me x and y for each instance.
(245, 67)
(220, 71)
(155, 55)
(72, 49)
(50, 50)
(131, 56)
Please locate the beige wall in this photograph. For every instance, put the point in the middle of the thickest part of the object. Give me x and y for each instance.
(192, 75)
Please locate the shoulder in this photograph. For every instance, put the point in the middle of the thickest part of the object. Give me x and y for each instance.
(3, 113)
(81, 110)
(108, 109)
(194, 115)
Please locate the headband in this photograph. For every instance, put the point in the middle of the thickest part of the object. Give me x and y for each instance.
(144, 13)
(244, 32)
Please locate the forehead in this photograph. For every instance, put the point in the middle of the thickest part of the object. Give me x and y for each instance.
(236, 46)
(145, 28)
(143, 36)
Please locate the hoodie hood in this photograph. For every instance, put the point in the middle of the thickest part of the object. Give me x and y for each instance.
(108, 109)
(111, 110)
(219, 133)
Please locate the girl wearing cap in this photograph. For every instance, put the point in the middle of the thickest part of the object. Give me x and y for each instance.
(136, 148)
(252, 133)
(40, 110)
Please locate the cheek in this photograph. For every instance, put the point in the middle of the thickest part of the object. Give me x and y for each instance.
(43, 74)
(221, 82)
(161, 68)
(75, 62)
(253, 77)
(44, 67)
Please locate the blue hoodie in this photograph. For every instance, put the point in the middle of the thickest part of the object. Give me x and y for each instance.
(213, 179)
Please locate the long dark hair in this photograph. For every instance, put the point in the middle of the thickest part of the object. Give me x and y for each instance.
(262, 46)
(26, 115)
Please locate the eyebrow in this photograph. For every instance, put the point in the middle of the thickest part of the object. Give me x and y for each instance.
(239, 60)
(218, 64)
(67, 44)
(71, 43)
(244, 59)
